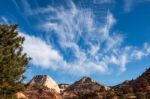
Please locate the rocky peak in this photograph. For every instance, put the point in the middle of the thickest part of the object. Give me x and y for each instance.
(84, 84)
(44, 81)
(86, 80)
(83, 88)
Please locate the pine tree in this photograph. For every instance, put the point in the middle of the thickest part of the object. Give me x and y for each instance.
(13, 62)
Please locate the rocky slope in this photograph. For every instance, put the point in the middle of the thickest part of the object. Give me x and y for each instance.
(141, 84)
(139, 87)
(85, 88)
(44, 87)
(86, 83)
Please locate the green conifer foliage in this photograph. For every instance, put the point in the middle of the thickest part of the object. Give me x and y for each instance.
(13, 62)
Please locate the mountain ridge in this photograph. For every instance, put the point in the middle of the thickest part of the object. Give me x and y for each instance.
(87, 88)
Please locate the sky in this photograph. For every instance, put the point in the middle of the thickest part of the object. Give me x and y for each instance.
(107, 40)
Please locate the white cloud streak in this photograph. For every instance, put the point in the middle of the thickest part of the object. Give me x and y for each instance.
(95, 47)
(3, 20)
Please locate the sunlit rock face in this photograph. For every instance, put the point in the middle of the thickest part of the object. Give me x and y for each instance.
(85, 88)
(45, 81)
(86, 83)
(20, 95)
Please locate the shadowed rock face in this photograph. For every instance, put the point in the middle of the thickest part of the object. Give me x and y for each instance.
(141, 84)
(44, 81)
(63, 86)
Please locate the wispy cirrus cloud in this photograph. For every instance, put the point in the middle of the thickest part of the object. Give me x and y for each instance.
(3, 20)
(104, 1)
(129, 4)
(89, 46)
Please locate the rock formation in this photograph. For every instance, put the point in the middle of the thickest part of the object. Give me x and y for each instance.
(44, 81)
(141, 84)
(20, 95)
(44, 87)
(41, 93)
(139, 87)
(85, 88)
(88, 84)
(63, 86)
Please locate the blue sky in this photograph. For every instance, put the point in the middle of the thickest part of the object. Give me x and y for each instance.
(107, 40)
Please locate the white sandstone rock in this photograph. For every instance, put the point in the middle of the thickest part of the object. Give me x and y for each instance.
(46, 81)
